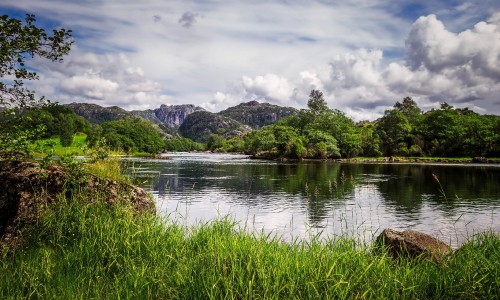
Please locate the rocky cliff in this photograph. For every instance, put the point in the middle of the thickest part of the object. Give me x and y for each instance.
(198, 126)
(257, 115)
(97, 114)
(174, 115)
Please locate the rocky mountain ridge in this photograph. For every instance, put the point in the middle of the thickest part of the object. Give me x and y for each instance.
(193, 121)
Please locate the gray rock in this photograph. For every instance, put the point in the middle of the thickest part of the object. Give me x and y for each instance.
(413, 244)
(174, 115)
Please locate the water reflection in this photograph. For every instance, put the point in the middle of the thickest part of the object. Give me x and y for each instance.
(298, 199)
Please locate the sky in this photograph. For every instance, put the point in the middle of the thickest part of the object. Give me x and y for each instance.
(364, 55)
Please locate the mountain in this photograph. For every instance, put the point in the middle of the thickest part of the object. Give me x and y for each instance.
(193, 121)
(97, 114)
(257, 115)
(174, 115)
(148, 114)
(199, 125)
(168, 115)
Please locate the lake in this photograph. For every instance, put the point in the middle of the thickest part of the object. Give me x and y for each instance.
(304, 200)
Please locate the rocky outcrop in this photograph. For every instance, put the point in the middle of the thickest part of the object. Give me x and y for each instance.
(413, 244)
(97, 114)
(257, 115)
(174, 115)
(148, 114)
(27, 190)
(200, 125)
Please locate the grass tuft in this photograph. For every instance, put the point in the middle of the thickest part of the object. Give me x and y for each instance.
(90, 250)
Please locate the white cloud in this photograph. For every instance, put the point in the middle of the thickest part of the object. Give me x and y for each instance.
(270, 87)
(103, 79)
(88, 86)
(462, 69)
(238, 50)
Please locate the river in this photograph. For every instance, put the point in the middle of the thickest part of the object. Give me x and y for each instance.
(305, 200)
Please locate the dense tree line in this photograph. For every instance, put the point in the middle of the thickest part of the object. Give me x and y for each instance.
(316, 132)
(129, 135)
(404, 130)
(57, 120)
(447, 131)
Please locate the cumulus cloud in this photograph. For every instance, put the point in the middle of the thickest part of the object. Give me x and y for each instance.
(88, 86)
(276, 51)
(270, 87)
(460, 68)
(102, 79)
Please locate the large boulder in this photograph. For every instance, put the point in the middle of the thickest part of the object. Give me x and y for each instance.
(26, 191)
(413, 244)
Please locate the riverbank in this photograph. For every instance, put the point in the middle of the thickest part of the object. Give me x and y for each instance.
(392, 159)
(83, 249)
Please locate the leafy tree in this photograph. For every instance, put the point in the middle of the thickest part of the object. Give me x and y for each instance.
(133, 135)
(321, 145)
(67, 127)
(342, 128)
(316, 103)
(19, 43)
(370, 140)
(410, 109)
(393, 129)
(260, 140)
(443, 132)
(216, 142)
(183, 144)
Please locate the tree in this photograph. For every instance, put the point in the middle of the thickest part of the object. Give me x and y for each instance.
(393, 129)
(67, 127)
(22, 42)
(133, 135)
(409, 108)
(316, 102)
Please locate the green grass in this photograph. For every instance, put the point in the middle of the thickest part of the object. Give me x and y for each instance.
(422, 159)
(91, 251)
(76, 148)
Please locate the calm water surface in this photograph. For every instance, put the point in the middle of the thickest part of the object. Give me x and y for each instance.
(300, 200)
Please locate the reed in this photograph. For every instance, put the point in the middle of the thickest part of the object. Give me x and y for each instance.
(83, 250)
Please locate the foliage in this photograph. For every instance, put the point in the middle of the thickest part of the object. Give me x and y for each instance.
(316, 102)
(88, 251)
(318, 132)
(20, 43)
(182, 144)
(393, 130)
(132, 135)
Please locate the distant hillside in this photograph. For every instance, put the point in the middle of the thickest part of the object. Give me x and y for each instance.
(168, 115)
(257, 115)
(97, 114)
(198, 126)
(193, 121)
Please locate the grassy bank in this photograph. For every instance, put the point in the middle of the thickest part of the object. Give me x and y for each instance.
(85, 251)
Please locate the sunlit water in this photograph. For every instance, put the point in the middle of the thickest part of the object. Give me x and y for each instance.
(323, 199)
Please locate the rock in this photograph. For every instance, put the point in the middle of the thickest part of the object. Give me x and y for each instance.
(413, 244)
(482, 160)
(174, 115)
(27, 190)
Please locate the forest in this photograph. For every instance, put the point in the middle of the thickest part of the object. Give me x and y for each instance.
(316, 132)
(404, 130)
